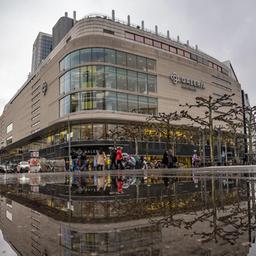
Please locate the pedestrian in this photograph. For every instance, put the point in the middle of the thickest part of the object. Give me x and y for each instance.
(170, 159)
(101, 157)
(195, 159)
(119, 158)
(113, 159)
(165, 159)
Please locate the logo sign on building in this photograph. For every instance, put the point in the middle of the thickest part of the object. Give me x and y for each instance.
(186, 83)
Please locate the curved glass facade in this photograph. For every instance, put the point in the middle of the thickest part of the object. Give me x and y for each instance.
(105, 55)
(106, 87)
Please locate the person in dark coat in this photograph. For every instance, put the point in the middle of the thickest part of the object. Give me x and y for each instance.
(113, 159)
(165, 159)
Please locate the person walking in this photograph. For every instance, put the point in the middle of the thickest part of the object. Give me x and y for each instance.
(101, 157)
(119, 158)
(113, 159)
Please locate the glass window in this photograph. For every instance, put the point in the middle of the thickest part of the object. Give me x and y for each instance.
(110, 101)
(97, 55)
(173, 49)
(121, 79)
(141, 63)
(132, 103)
(122, 102)
(110, 77)
(86, 100)
(129, 35)
(65, 106)
(143, 105)
(187, 55)
(151, 65)
(148, 41)
(132, 80)
(98, 131)
(152, 83)
(110, 56)
(99, 76)
(142, 83)
(121, 58)
(131, 60)
(62, 66)
(205, 61)
(86, 77)
(86, 132)
(193, 56)
(67, 62)
(85, 55)
(180, 52)
(75, 79)
(65, 83)
(74, 59)
(165, 47)
(74, 102)
(152, 106)
(139, 38)
(157, 44)
(93, 75)
(76, 135)
(98, 100)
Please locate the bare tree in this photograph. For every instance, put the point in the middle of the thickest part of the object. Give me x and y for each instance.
(215, 109)
(163, 124)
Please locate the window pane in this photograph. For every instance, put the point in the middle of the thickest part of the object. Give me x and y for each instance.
(141, 63)
(74, 102)
(151, 65)
(62, 88)
(100, 77)
(129, 35)
(131, 60)
(98, 100)
(121, 79)
(173, 49)
(143, 105)
(75, 79)
(157, 44)
(62, 66)
(132, 103)
(139, 38)
(148, 41)
(74, 59)
(86, 77)
(86, 132)
(67, 82)
(67, 62)
(110, 101)
(151, 83)
(65, 106)
(142, 83)
(165, 47)
(110, 77)
(180, 52)
(121, 58)
(187, 55)
(85, 55)
(98, 131)
(93, 74)
(76, 136)
(86, 100)
(132, 81)
(110, 56)
(152, 106)
(122, 102)
(97, 54)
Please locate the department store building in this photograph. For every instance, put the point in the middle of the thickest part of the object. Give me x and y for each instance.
(102, 73)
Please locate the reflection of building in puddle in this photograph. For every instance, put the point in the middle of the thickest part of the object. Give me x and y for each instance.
(33, 233)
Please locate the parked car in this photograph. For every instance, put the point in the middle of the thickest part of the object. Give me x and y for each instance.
(23, 166)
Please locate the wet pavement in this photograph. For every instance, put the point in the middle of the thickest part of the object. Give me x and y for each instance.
(205, 211)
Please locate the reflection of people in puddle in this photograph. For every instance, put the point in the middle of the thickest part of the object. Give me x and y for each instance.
(120, 185)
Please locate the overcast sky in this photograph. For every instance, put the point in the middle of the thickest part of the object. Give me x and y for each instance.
(225, 29)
